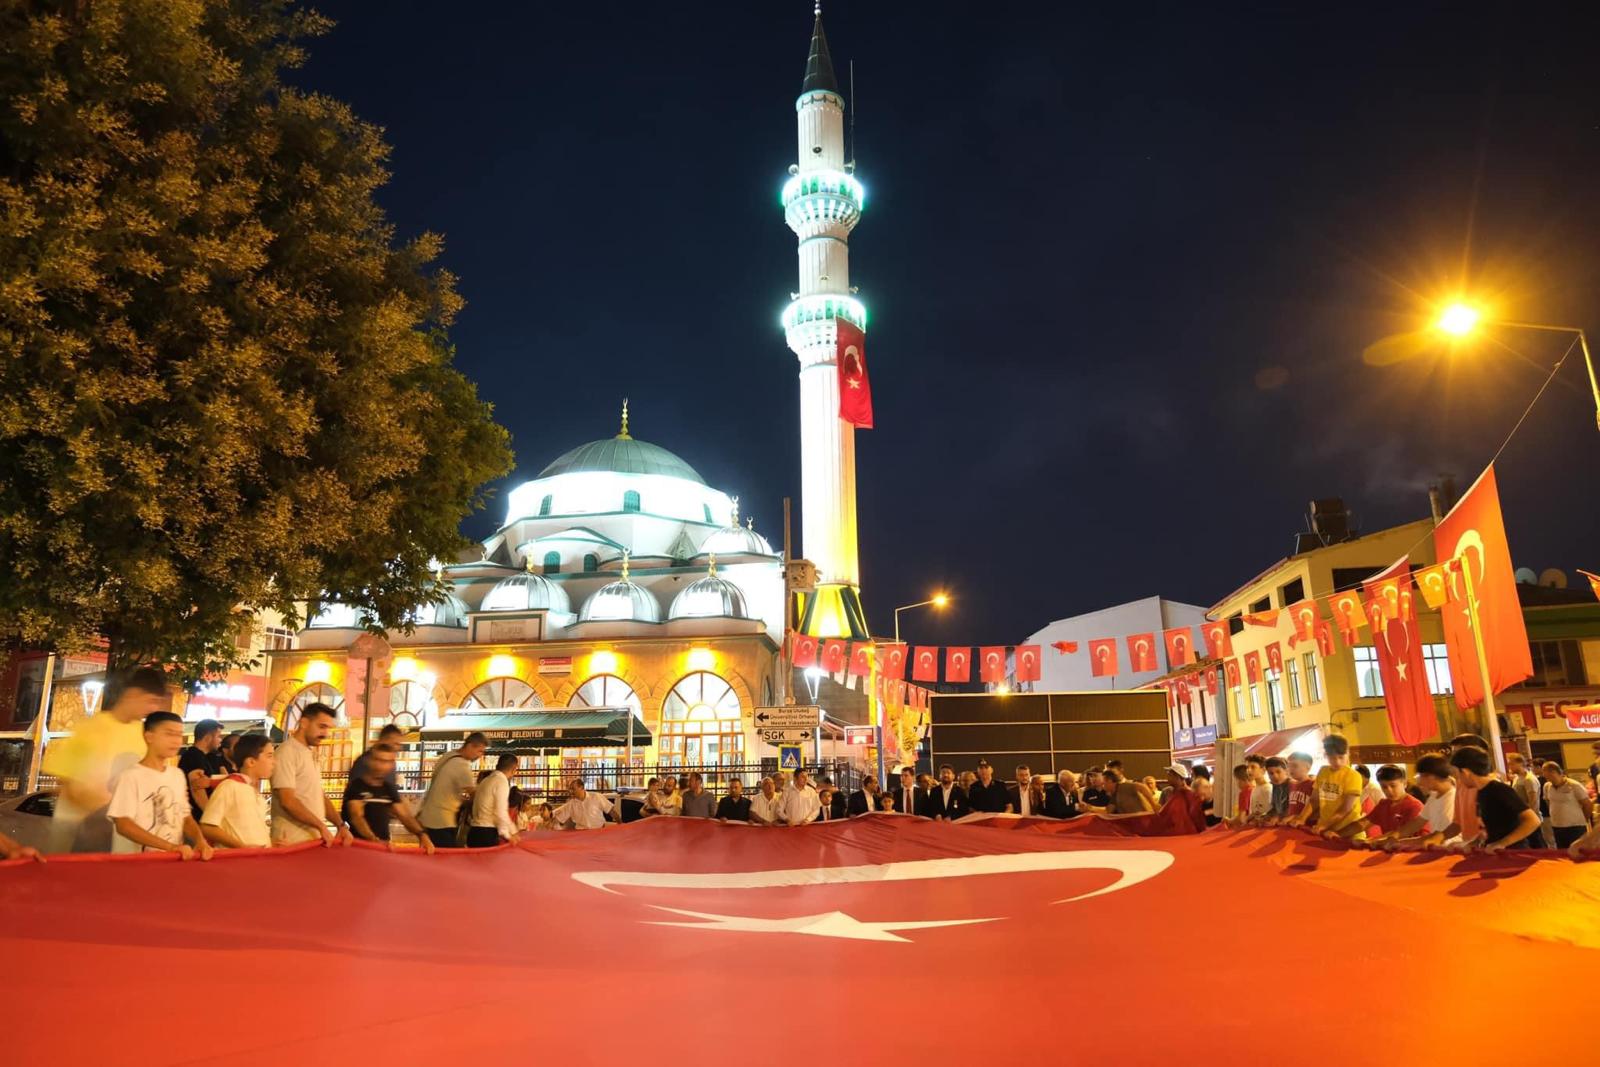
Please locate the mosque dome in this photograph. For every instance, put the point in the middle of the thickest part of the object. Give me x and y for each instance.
(621, 602)
(736, 540)
(709, 597)
(622, 455)
(526, 592)
(448, 612)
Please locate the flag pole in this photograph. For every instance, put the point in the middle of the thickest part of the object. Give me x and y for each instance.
(1491, 717)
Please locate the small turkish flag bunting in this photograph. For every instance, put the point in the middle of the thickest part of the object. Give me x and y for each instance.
(1211, 680)
(1324, 638)
(803, 650)
(992, 660)
(1180, 646)
(1262, 618)
(833, 653)
(958, 664)
(1103, 657)
(1349, 614)
(1304, 616)
(1233, 672)
(1275, 657)
(861, 660)
(1142, 652)
(1027, 663)
(1219, 640)
(894, 661)
(1252, 667)
(1435, 583)
(1594, 585)
(925, 664)
(1064, 647)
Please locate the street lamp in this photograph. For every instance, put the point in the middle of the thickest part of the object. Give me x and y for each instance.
(1460, 320)
(940, 601)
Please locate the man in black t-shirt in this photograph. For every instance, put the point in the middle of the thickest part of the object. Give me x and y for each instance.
(1094, 788)
(372, 799)
(986, 794)
(1507, 821)
(735, 807)
(200, 763)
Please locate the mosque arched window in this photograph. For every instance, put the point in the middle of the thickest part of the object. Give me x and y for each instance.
(500, 694)
(545, 504)
(552, 563)
(702, 723)
(315, 693)
(591, 562)
(607, 691)
(630, 500)
(410, 702)
(707, 509)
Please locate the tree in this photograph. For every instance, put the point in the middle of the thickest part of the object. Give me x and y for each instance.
(224, 385)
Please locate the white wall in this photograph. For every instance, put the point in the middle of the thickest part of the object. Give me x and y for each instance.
(1069, 672)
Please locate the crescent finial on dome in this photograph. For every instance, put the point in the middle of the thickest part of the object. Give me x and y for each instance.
(624, 564)
(711, 569)
(734, 517)
(623, 434)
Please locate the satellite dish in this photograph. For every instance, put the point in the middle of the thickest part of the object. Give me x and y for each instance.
(1553, 578)
(1525, 576)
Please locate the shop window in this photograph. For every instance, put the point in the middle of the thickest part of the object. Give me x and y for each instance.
(1369, 679)
(552, 563)
(499, 694)
(630, 500)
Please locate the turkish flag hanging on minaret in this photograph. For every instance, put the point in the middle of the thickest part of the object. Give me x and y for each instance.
(855, 392)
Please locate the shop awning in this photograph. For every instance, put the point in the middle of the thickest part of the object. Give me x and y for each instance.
(589, 728)
(1280, 742)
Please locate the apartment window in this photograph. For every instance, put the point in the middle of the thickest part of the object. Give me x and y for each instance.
(1274, 693)
(1238, 703)
(1369, 679)
(1255, 701)
(1264, 604)
(1437, 660)
(1292, 666)
(1292, 593)
(1236, 623)
(1555, 663)
(1313, 679)
(277, 639)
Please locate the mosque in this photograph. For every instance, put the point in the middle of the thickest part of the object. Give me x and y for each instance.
(624, 615)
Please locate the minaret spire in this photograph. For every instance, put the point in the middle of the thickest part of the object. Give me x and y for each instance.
(819, 64)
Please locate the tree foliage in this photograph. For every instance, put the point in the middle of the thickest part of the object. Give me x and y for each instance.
(224, 384)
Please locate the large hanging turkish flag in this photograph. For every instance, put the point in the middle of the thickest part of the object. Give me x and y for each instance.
(1474, 535)
(1180, 646)
(1219, 639)
(1399, 644)
(1142, 652)
(855, 392)
(992, 663)
(1103, 657)
(925, 664)
(958, 664)
(1027, 663)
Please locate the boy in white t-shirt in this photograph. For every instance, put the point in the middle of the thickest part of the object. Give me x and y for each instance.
(150, 800)
(1438, 811)
(235, 816)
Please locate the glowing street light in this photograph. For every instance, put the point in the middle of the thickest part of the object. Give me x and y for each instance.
(937, 600)
(1461, 319)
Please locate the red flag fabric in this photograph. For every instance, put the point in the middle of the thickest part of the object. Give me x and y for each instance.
(1275, 657)
(1064, 647)
(1268, 619)
(1232, 667)
(855, 392)
(992, 663)
(1594, 583)
(895, 689)
(1180, 646)
(1399, 643)
(1103, 657)
(1027, 663)
(1142, 652)
(1211, 680)
(1304, 615)
(689, 901)
(1434, 584)
(1183, 690)
(1219, 639)
(833, 655)
(892, 660)
(1252, 667)
(958, 664)
(1325, 644)
(1348, 613)
(1474, 535)
(803, 650)
(925, 664)
(861, 660)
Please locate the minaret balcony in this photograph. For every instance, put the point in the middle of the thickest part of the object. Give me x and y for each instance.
(809, 319)
(822, 197)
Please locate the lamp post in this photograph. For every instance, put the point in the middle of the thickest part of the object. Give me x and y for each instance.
(939, 601)
(1459, 320)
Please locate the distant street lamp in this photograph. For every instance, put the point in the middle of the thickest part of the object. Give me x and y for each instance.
(1461, 320)
(939, 601)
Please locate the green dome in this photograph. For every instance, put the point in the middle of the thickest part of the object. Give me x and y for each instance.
(622, 455)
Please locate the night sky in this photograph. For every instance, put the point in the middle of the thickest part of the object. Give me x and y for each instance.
(1124, 265)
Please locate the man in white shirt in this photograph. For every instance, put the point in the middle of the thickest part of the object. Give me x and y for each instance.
(1571, 811)
(583, 809)
(150, 800)
(453, 780)
(491, 807)
(800, 804)
(766, 807)
(301, 811)
(233, 817)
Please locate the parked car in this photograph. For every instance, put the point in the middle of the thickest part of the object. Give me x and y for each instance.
(27, 818)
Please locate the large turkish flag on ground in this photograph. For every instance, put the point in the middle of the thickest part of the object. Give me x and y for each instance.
(1474, 535)
(673, 904)
(1180, 646)
(1141, 652)
(1027, 663)
(958, 664)
(1399, 643)
(992, 663)
(855, 392)
(1103, 657)
(925, 664)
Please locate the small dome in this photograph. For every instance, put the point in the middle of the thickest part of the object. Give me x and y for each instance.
(621, 602)
(526, 592)
(449, 612)
(736, 540)
(709, 597)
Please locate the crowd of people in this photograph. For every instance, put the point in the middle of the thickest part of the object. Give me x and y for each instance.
(127, 784)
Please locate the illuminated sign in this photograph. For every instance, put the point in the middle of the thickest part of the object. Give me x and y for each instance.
(240, 696)
(555, 665)
(1585, 717)
(858, 735)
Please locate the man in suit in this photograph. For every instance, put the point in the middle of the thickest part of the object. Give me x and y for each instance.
(947, 800)
(833, 805)
(910, 797)
(1061, 799)
(986, 794)
(866, 799)
(1019, 794)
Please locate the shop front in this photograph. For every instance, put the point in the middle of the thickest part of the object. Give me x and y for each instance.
(605, 746)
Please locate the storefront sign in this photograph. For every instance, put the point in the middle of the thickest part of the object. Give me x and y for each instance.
(1585, 717)
(241, 696)
(1392, 753)
(555, 665)
(858, 735)
(1198, 737)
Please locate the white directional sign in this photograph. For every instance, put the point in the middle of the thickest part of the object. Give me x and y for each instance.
(784, 737)
(789, 717)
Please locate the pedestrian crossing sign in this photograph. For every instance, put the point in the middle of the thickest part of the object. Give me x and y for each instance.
(788, 757)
